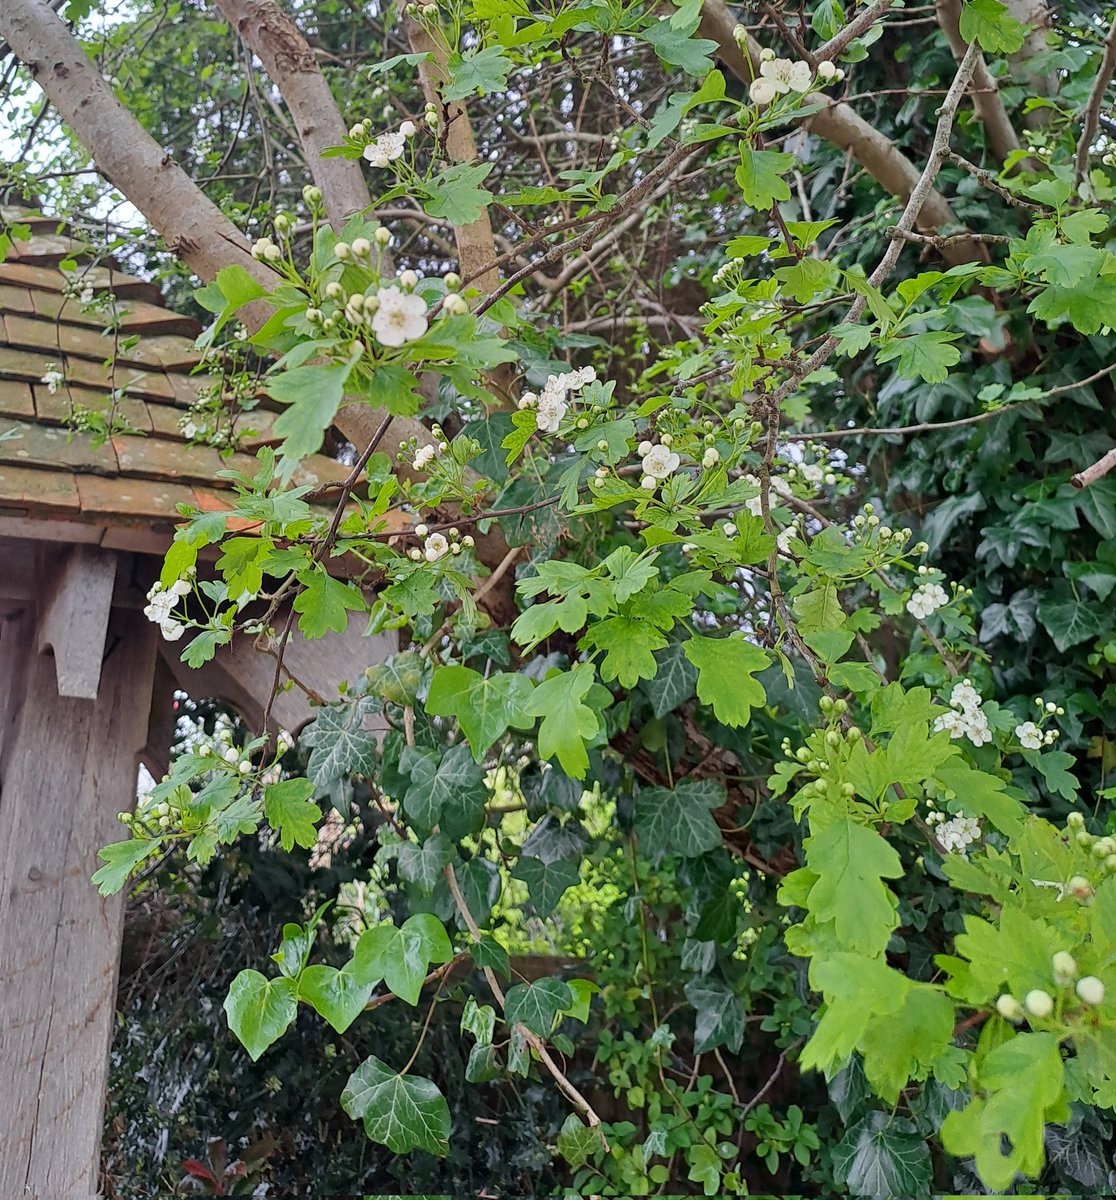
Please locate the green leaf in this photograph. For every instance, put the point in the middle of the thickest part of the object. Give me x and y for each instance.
(577, 1141)
(1002, 1125)
(726, 667)
(1068, 620)
(851, 863)
(402, 1112)
(720, 1015)
(819, 609)
(883, 1156)
(760, 176)
(456, 193)
(925, 356)
(537, 1005)
(260, 1009)
(629, 643)
(484, 708)
(567, 721)
(991, 24)
(401, 957)
(121, 859)
(338, 996)
(678, 49)
(289, 809)
(678, 821)
(546, 883)
(313, 396)
(675, 680)
(323, 604)
(477, 72)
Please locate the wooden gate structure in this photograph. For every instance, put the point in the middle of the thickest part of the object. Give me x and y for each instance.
(86, 685)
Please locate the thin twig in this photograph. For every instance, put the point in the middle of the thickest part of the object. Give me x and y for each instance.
(1097, 471)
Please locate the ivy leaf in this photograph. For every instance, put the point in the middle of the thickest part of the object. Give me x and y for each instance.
(851, 863)
(726, 667)
(422, 864)
(577, 1141)
(456, 193)
(340, 745)
(760, 176)
(1069, 621)
(313, 395)
(402, 1112)
(289, 809)
(338, 996)
(567, 721)
(674, 681)
(260, 1009)
(536, 1005)
(883, 1156)
(678, 821)
(991, 24)
(477, 72)
(720, 1015)
(402, 956)
(450, 792)
(121, 859)
(484, 708)
(546, 883)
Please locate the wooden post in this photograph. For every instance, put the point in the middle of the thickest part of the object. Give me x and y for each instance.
(69, 765)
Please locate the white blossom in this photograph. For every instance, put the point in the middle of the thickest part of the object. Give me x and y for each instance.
(659, 462)
(52, 377)
(436, 547)
(967, 719)
(400, 317)
(552, 404)
(1030, 735)
(957, 834)
(161, 602)
(407, 129)
(811, 473)
(927, 598)
(424, 456)
(551, 411)
(762, 90)
(383, 150)
(786, 75)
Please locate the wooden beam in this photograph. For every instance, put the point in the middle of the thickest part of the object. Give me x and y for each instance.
(69, 766)
(75, 617)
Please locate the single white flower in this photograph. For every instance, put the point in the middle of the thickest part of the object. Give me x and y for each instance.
(551, 411)
(787, 76)
(436, 547)
(811, 473)
(400, 317)
(52, 377)
(1030, 735)
(660, 461)
(407, 129)
(384, 149)
(762, 90)
(172, 630)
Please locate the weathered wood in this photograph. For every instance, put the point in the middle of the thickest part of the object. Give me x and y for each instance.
(16, 630)
(70, 766)
(75, 617)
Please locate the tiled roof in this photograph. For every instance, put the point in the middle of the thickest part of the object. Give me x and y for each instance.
(123, 493)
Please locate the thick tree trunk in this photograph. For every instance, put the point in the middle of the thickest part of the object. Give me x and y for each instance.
(290, 62)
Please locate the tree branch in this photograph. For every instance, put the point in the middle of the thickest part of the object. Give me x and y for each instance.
(844, 127)
(1097, 471)
(1096, 101)
(293, 67)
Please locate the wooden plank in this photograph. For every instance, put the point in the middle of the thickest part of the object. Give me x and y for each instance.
(16, 630)
(72, 765)
(74, 619)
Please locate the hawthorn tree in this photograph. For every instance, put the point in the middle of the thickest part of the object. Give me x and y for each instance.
(745, 375)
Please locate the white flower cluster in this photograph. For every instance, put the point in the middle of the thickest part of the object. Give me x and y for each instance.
(382, 151)
(968, 719)
(927, 599)
(779, 487)
(551, 402)
(53, 378)
(781, 75)
(161, 603)
(437, 545)
(956, 834)
(1029, 735)
(425, 455)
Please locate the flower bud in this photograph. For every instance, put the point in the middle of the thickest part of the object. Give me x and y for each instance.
(421, 530)
(342, 250)
(1064, 966)
(1038, 1003)
(1080, 888)
(312, 195)
(452, 281)
(1090, 990)
(408, 280)
(362, 247)
(1009, 1008)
